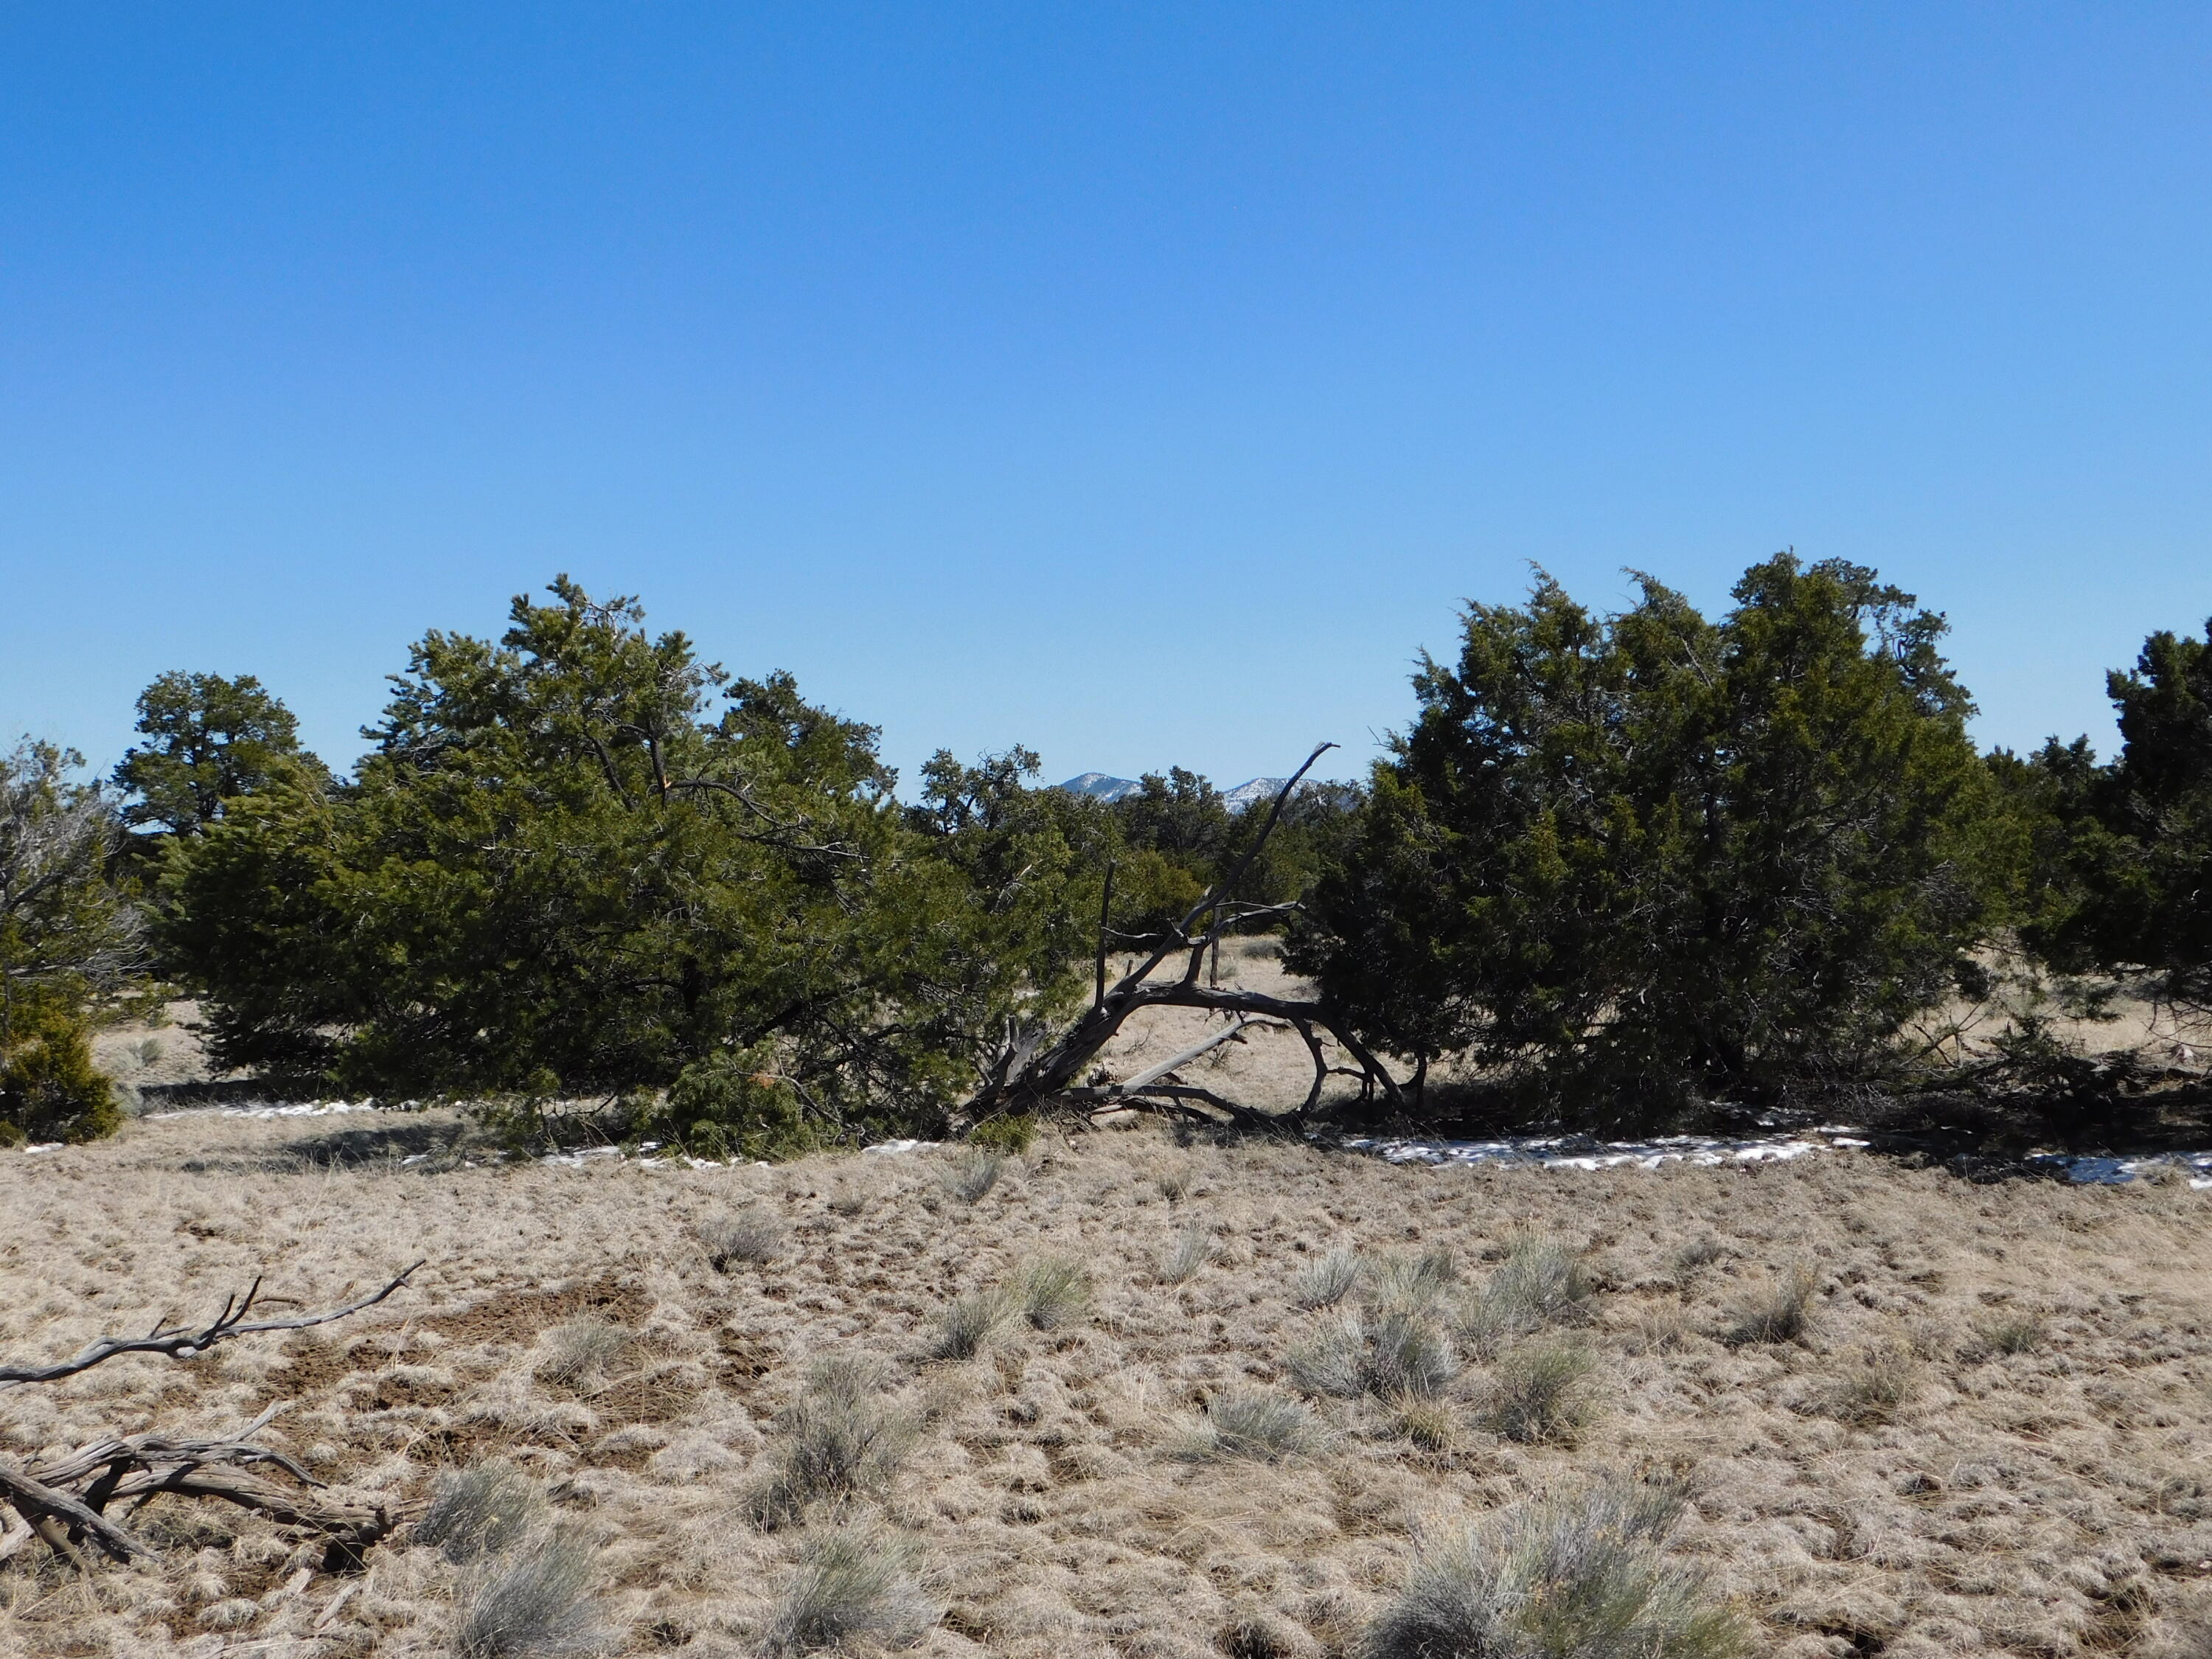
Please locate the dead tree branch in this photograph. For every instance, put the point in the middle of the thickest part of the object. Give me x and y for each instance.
(183, 1344)
(64, 1502)
(1052, 1072)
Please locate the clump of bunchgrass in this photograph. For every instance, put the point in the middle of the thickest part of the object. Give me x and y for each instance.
(1174, 1181)
(1538, 1393)
(1775, 1312)
(1250, 1423)
(966, 1326)
(2016, 1331)
(1051, 1292)
(1396, 1355)
(1407, 1355)
(1412, 1284)
(971, 1173)
(852, 1583)
(1431, 1424)
(1886, 1376)
(1333, 1359)
(478, 1511)
(1540, 1281)
(1180, 1262)
(537, 1601)
(582, 1350)
(1692, 1259)
(1328, 1280)
(835, 1441)
(1578, 1577)
(744, 1238)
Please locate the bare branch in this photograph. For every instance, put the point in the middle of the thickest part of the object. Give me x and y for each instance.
(184, 1345)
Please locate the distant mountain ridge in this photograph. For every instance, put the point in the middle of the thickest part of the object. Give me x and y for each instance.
(1100, 786)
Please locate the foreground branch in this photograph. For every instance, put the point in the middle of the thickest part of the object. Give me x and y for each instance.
(183, 1344)
(63, 1503)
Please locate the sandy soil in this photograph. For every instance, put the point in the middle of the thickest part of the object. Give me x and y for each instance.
(2053, 1501)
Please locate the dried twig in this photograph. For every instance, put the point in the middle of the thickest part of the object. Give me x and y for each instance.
(184, 1345)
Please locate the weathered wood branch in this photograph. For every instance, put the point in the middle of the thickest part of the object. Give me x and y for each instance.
(63, 1503)
(185, 1344)
(1054, 1072)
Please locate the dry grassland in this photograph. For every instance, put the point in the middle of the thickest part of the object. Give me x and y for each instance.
(1989, 1436)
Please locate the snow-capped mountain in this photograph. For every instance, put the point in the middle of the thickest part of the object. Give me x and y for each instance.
(1102, 787)
(1258, 792)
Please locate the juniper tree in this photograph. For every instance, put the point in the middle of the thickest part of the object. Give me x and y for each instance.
(583, 859)
(1640, 857)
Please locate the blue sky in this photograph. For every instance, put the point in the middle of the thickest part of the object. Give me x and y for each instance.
(1146, 384)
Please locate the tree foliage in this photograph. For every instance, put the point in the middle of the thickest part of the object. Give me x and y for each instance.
(1641, 857)
(2124, 851)
(69, 937)
(210, 740)
(581, 861)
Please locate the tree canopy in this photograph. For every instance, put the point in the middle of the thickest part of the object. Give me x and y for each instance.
(210, 739)
(1638, 859)
(580, 861)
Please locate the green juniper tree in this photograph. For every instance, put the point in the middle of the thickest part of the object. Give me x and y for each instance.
(580, 861)
(1637, 859)
(2124, 851)
(210, 740)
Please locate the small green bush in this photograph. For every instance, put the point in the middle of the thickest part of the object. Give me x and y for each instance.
(836, 1440)
(50, 1090)
(537, 1601)
(1010, 1135)
(733, 1105)
(1051, 1292)
(967, 1324)
(1540, 1281)
(1329, 1280)
(1251, 1423)
(1412, 1284)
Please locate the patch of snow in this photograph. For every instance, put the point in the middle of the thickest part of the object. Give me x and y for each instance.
(45, 1146)
(1581, 1153)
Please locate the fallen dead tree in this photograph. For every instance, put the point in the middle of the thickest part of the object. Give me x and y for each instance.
(63, 1504)
(1032, 1074)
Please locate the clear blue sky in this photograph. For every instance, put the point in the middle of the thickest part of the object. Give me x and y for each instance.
(1146, 384)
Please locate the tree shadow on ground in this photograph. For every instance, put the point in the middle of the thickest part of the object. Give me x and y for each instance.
(408, 1145)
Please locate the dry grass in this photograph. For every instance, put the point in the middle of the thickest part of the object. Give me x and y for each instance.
(851, 1584)
(1575, 1577)
(537, 1601)
(1775, 1311)
(1539, 1393)
(2045, 1491)
(749, 1238)
(480, 1511)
